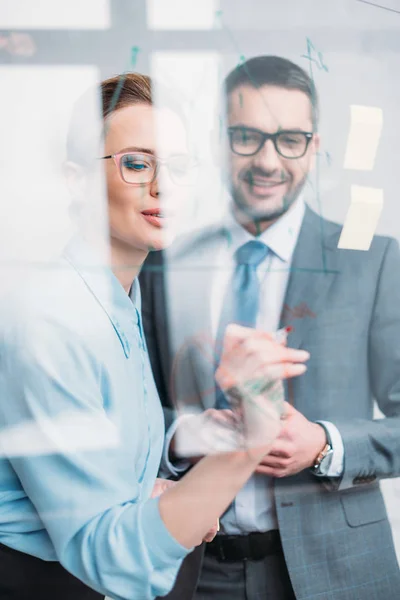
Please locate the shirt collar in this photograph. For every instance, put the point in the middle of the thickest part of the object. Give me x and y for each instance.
(93, 268)
(281, 237)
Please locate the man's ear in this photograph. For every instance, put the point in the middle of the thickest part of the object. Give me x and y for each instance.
(316, 143)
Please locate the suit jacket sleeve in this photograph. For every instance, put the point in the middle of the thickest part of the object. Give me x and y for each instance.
(372, 447)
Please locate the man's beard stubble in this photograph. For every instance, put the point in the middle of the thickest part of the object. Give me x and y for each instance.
(252, 214)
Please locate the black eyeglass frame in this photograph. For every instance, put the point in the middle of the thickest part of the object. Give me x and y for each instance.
(270, 136)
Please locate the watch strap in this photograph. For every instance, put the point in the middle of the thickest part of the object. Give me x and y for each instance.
(326, 451)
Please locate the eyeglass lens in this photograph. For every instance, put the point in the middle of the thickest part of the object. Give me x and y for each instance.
(140, 169)
(136, 168)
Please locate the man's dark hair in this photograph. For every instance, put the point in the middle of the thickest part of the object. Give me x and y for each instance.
(277, 71)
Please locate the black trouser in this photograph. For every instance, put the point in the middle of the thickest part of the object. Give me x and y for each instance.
(25, 577)
(248, 567)
(265, 579)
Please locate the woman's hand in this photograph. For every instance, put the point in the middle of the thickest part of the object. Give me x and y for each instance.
(205, 433)
(249, 356)
(212, 533)
(252, 367)
(161, 486)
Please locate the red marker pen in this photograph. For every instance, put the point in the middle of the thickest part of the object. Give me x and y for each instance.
(281, 334)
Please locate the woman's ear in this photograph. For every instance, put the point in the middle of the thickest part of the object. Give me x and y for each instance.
(75, 179)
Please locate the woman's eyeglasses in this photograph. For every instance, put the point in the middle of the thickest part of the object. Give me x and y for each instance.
(138, 168)
(246, 141)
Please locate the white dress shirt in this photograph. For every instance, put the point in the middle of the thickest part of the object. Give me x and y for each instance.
(254, 506)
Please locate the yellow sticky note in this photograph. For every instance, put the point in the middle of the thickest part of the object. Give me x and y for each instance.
(365, 132)
(362, 218)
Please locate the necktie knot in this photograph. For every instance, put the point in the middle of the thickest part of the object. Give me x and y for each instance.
(252, 253)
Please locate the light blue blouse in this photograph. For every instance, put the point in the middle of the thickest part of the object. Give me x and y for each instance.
(81, 431)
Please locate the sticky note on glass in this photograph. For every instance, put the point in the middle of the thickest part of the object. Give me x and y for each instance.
(365, 132)
(362, 218)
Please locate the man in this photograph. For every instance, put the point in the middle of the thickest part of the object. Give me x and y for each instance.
(312, 522)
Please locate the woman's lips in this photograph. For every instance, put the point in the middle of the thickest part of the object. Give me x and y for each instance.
(153, 219)
(156, 217)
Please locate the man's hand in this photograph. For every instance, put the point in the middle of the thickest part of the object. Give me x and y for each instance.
(296, 447)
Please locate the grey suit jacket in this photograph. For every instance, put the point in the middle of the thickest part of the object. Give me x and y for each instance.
(344, 306)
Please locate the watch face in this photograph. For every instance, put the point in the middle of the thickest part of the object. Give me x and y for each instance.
(325, 463)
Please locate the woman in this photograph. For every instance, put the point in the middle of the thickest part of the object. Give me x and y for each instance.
(81, 424)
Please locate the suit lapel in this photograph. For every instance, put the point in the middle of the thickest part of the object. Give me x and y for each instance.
(159, 303)
(188, 280)
(314, 268)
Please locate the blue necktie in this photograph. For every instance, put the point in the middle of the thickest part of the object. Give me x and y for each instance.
(241, 300)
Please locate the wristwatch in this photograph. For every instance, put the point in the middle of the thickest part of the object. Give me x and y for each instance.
(324, 458)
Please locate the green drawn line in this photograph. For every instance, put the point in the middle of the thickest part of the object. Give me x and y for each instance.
(132, 65)
(115, 97)
(242, 60)
(213, 268)
(156, 268)
(317, 161)
(311, 59)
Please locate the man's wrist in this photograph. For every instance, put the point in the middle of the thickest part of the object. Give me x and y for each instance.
(321, 443)
(324, 459)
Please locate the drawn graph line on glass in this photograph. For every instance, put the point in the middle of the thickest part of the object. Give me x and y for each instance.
(300, 311)
(379, 6)
(319, 61)
(212, 267)
(242, 60)
(204, 345)
(320, 64)
(115, 97)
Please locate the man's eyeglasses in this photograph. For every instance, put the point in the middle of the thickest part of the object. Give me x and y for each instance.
(247, 141)
(138, 168)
